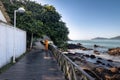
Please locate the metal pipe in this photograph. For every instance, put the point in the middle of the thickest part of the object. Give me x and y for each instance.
(14, 49)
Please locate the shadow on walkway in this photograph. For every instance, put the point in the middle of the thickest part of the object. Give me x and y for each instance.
(34, 66)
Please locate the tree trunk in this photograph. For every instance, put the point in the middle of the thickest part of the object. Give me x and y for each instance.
(31, 43)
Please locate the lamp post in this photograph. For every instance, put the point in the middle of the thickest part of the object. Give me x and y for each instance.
(20, 10)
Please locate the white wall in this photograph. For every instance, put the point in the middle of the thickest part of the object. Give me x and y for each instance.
(8, 41)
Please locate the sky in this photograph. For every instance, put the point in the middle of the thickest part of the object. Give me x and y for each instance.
(87, 19)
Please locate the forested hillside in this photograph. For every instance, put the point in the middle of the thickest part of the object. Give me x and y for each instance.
(38, 20)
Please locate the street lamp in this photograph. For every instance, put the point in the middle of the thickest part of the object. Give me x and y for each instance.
(20, 10)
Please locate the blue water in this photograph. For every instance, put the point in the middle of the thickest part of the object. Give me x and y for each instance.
(104, 43)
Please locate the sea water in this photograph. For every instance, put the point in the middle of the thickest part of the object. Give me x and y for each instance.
(105, 45)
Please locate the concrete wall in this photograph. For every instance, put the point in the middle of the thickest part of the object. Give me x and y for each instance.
(8, 40)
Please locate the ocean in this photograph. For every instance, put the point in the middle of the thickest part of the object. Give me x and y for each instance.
(105, 45)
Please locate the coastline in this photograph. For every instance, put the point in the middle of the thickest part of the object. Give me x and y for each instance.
(95, 60)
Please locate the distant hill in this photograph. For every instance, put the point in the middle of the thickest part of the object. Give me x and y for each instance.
(101, 38)
(116, 38)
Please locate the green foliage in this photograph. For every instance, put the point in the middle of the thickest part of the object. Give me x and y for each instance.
(39, 20)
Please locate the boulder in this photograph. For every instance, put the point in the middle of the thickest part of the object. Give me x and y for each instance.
(112, 77)
(100, 69)
(114, 69)
(74, 46)
(114, 51)
(96, 46)
(77, 46)
(92, 56)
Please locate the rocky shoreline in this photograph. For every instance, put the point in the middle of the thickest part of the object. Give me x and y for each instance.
(102, 69)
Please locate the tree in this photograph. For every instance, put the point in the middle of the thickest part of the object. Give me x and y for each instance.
(39, 20)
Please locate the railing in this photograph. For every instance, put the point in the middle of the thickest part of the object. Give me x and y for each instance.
(71, 70)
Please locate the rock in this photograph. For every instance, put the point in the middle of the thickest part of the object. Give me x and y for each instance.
(86, 55)
(98, 61)
(74, 46)
(92, 56)
(113, 77)
(108, 77)
(96, 52)
(114, 51)
(114, 69)
(116, 77)
(96, 46)
(110, 60)
(103, 63)
(108, 65)
(100, 58)
(100, 69)
(79, 44)
(84, 48)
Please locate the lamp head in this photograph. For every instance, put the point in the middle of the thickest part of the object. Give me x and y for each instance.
(21, 10)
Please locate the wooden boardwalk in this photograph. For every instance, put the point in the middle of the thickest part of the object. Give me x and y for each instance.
(34, 66)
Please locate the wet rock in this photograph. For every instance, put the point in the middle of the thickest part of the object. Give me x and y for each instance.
(110, 60)
(103, 63)
(96, 52)
(77, 46)
(112, 77)
(116, 77)
(119, 69)
(108, 65)
(74, 46)
(98, 61)
(86, 55)
(114, 51)
(108, 77)
(92, 56)
(100, 58)
(83, 48)
(96, 46)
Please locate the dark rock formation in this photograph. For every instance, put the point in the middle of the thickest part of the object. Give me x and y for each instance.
(96, 46)
(92, 56)
(110, 60)
(98, 61)
(74, 46)
(86, 55)
(77, 46)
(99, 58)
(100, 69)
